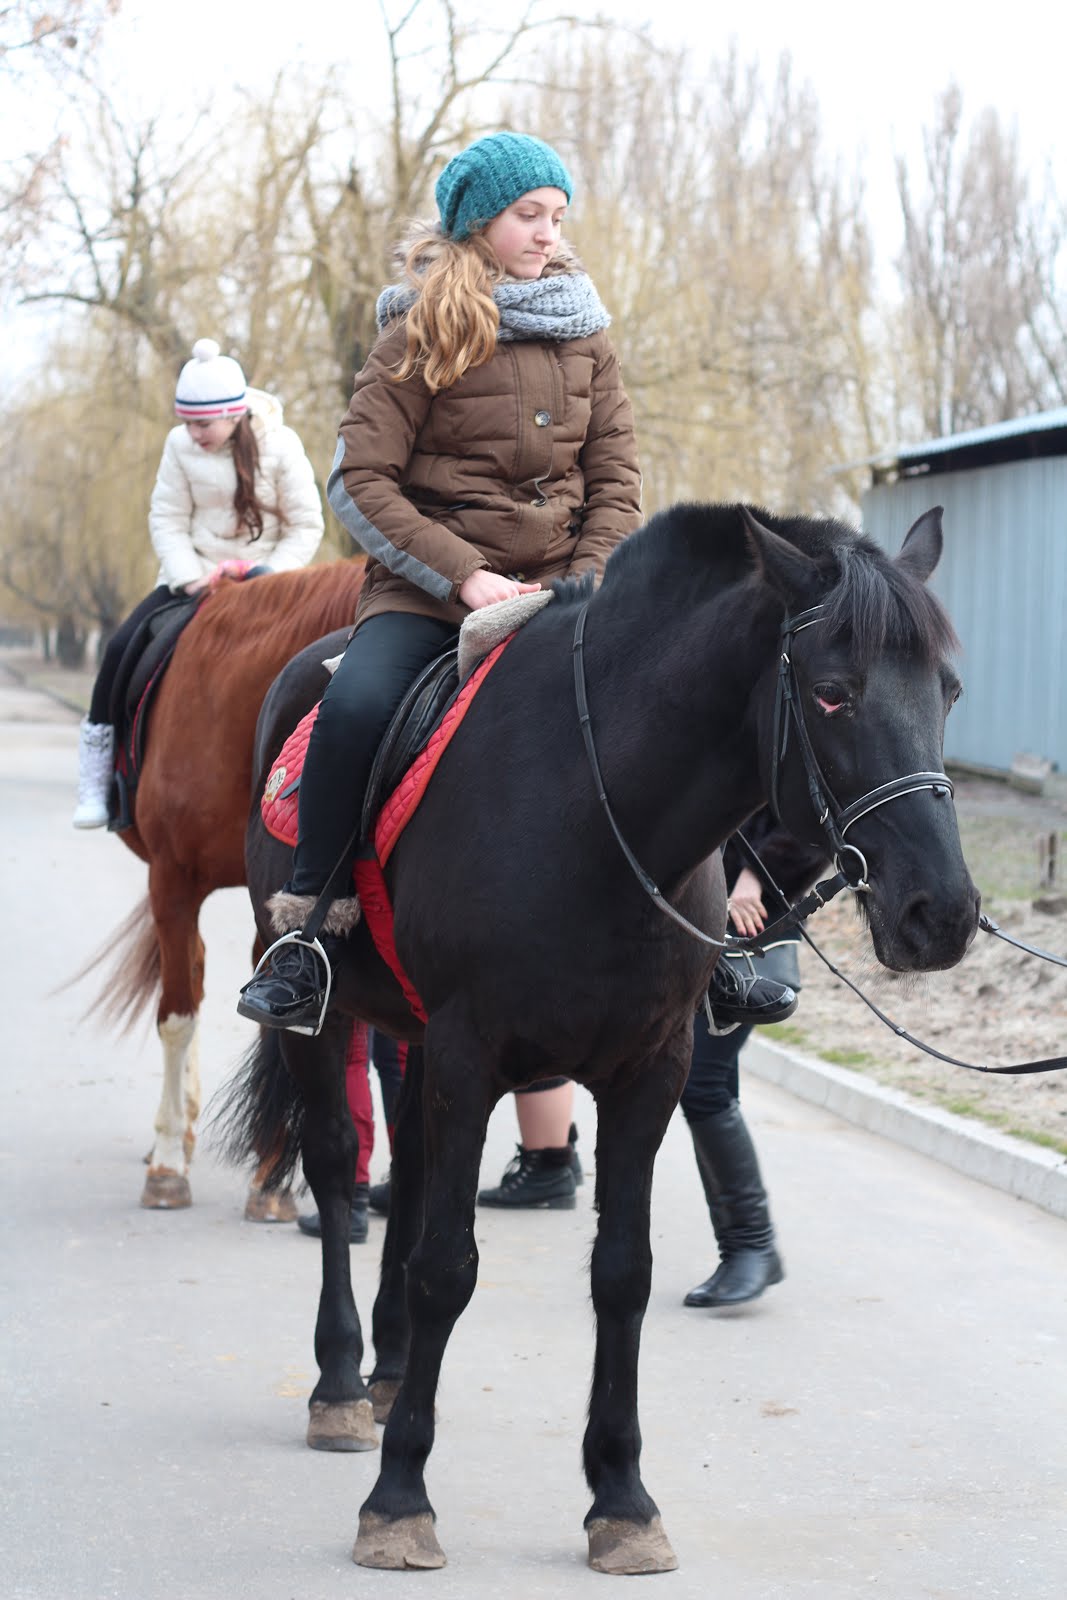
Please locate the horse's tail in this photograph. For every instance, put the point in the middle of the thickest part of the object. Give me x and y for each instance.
(259, 1113)
(134, 979)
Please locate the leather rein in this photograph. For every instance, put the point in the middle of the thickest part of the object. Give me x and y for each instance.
(835, 820)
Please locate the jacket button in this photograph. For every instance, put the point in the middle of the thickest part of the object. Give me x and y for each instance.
(542, 418)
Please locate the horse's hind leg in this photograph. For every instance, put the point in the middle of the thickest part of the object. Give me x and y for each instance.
(341, 1416)
(176, 909)
(623, 1525)
(396, 1521)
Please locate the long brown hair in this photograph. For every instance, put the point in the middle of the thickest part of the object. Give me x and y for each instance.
(453, 324)
(246, 502)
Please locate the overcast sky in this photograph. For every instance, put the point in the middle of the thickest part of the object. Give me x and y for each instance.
(875, 69)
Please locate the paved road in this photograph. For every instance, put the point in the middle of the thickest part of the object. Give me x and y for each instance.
(891, 1421)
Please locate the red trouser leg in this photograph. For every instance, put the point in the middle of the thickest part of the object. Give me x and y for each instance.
(357, 1089)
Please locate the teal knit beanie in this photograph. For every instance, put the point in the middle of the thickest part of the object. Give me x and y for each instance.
(482, 180)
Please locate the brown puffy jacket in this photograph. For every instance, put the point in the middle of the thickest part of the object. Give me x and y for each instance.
(527, 466)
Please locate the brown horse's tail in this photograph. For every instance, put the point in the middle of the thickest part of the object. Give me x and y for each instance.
(134, 980)
(259, 1114)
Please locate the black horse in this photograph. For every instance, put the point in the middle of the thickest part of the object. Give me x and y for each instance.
(537, 950)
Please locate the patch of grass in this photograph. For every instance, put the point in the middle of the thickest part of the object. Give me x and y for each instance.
(1048, 1140)
(784, 1033)
(848, 1058)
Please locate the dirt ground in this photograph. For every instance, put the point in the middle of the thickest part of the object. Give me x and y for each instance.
(998, 1007)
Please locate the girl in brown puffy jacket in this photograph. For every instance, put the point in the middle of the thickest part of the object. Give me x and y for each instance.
(488, 449)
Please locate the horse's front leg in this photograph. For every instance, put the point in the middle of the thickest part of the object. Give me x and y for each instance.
(396, 1522)
(390, 1325)
(623, 1524)
(175, 911)
(341, 1416)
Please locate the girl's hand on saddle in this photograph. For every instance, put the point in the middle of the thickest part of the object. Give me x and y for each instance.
(484, 588)
(745, 905)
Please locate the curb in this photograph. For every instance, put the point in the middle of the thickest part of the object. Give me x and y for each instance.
(1027, 1171)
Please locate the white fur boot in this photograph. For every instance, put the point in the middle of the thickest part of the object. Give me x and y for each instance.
(96, 749)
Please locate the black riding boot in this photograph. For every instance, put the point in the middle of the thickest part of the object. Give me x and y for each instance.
(740, 1216)
(289, 986)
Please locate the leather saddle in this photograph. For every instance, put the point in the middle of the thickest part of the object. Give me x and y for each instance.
(139, 675)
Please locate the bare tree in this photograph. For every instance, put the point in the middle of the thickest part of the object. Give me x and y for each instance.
(735, 262)
(982, 320)
(37, 27)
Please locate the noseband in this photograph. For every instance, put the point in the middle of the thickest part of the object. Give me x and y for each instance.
(834, 819)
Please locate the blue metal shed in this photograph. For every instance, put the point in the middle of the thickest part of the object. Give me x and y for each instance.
(1003, 576)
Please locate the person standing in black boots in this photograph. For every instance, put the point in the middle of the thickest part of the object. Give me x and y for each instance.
(726, 1158)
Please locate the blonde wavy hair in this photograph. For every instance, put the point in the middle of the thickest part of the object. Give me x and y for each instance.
(454, 322)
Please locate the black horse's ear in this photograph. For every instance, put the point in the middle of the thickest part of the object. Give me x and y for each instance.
(793, 575)
(923, 543)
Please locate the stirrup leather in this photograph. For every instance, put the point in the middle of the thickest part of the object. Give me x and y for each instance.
(297, 937)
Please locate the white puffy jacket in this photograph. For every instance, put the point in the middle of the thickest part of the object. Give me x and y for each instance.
(192, 522)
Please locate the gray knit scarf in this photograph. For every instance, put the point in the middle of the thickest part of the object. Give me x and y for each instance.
(562, 306)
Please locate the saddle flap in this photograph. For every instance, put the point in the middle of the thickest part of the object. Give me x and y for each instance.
(413, 723)
(151, 646)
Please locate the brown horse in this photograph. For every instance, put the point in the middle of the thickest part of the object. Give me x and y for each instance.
(190, 815)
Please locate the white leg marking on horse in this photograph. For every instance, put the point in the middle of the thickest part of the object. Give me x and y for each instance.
(177, 1035)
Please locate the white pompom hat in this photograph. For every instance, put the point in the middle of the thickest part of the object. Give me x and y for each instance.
(210, 385)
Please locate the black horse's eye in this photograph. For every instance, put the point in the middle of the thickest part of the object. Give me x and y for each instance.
(831, 698)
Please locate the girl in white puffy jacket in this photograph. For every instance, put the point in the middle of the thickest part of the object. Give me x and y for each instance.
(235, 496)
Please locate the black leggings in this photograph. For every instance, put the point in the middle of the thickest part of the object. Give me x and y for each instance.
(383, 658)
(100, 703)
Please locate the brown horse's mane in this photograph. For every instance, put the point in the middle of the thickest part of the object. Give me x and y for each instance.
(288, 608)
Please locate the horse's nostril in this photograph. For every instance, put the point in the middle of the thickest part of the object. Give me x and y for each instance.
(915, 914)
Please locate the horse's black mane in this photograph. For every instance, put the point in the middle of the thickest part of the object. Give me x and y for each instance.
(694, 550)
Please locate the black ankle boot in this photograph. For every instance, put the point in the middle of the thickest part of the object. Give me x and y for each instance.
(740, 1215)
(378, 1198)
(358, 1224)
(738, 996)
(535, 1178)
(288, 989)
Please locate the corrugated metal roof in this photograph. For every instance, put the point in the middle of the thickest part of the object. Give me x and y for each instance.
(1017, 428)
(1040, 422)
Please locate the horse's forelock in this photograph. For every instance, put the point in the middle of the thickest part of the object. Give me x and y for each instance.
(878, 605)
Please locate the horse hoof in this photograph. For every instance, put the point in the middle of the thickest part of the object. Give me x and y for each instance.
(620, 1547)
(166, 1191)
(408, 1544)
(383, 1394)
(270, 1205)
(348, 1426)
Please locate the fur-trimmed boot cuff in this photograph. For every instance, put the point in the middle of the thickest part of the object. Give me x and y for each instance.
(288, 912)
